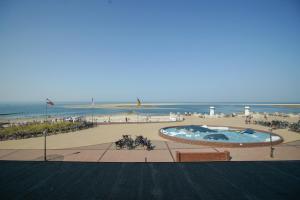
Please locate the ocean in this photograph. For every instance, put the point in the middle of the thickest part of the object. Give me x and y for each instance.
(29, 110)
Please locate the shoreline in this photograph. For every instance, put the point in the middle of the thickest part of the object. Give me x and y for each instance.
(101, 109)
(156, 105)
(134, 115)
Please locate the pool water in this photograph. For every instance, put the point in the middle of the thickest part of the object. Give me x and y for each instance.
(217, 134)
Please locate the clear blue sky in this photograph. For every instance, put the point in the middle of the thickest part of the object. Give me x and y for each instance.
(117, 50)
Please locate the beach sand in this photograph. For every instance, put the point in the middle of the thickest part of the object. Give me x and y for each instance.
(120, 105)
(112, 132)
(157, 105)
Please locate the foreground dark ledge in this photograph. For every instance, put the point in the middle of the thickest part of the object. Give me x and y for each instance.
(207, 180)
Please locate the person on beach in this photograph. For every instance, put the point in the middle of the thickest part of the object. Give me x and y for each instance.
(247, 120)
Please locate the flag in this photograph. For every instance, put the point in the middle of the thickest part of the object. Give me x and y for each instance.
(138, 102)
(49, 102)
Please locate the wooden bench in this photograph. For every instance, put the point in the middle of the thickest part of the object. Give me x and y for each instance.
(202, 156)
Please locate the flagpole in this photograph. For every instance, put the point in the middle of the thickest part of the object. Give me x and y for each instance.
(93, 112)
(137, 113)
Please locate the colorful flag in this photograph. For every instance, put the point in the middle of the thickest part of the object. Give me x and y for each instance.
(49, 102)
(138, 102)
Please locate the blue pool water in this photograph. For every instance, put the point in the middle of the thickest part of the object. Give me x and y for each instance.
(214, 134)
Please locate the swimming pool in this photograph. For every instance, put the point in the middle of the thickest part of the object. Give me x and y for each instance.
(219, 136)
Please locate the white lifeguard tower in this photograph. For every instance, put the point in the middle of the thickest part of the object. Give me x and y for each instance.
(211, 111)
(173, 117)
(247, 110)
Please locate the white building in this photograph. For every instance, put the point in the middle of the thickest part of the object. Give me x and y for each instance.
(211, 111)
(247, 110)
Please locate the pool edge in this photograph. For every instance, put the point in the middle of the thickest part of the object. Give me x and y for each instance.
(221, 144)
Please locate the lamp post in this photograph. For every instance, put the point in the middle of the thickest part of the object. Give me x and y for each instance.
(93, 117)
(45, 135)
(45, 140)
(48, 101)
(93, 111)
(271, 145)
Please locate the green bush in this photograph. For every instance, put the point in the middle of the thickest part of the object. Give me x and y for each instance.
(274, 124)
(36, 129)
(280, 124)
(295, 126)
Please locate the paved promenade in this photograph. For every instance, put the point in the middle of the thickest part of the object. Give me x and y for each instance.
(113, 132)
(165, 151)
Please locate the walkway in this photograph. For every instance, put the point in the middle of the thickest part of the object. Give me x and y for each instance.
(164, 152)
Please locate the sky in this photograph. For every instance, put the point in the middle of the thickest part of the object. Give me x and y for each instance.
(158, 50)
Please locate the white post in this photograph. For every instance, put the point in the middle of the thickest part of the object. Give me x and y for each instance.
(211, 111)
(247, 110)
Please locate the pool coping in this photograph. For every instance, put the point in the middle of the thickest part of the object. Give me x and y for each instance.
(221, 144)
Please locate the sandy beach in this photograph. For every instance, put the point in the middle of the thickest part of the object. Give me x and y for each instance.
(156, 105)
(120, 105)
(112, 132)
